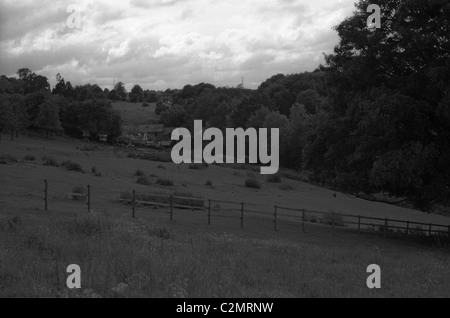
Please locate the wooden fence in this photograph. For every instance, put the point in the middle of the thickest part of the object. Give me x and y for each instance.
(240, 210)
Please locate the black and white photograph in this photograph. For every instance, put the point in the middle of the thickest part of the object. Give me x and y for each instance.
(226, 156)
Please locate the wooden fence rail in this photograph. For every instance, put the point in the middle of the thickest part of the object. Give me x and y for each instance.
(243, 209)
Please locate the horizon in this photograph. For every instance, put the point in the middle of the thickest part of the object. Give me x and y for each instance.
(163, 44)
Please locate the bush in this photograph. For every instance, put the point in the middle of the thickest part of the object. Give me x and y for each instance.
(198, 166)
(49, 161)
(139, 173)
(209, 183)
(133, 155)
(165, 182)
(5, 159)
(273, 178)
(79, 190)
(72, 166)
(144, 181)
(252, 183)
(94, 170)
(29, 158)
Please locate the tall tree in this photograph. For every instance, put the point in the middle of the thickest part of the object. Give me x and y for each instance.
(137, 94)
(48, 117)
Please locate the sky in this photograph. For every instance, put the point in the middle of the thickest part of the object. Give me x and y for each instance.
(161, 44)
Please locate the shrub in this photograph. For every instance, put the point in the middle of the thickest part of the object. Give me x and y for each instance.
(165, 182)
(139, 173)
(143, 181)
(79, 190)
(72, 166)
(132, 155)
(29, 158)
(209, 183)
(252, 183)
(49, 161)
(7, 158)
(198, 166)
(273, 178)
(94, 170)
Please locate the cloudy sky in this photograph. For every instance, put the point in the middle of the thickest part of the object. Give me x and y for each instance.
(168, 43)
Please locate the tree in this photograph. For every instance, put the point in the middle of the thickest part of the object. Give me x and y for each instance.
(60, 87)
(121, 91)
(19, 116)
(160, 107)
(386, 128)
(137, 94)
(48, 118)
(173, 117)
(310, 99)
(33, 83)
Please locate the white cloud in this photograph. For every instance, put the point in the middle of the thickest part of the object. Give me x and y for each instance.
(168, 43)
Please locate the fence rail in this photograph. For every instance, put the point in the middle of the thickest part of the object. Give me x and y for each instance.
(243, 209)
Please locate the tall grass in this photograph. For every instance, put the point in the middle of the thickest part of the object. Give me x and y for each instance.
(121, 257)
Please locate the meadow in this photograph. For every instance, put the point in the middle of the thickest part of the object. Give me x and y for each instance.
(151, 256)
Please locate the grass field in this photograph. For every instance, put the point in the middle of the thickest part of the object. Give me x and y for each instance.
(151, 256)
(133, 114)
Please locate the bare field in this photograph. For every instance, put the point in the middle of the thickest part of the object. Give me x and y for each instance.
(151, 256)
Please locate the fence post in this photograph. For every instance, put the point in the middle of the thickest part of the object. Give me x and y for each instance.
(303, 220)
(171, 207)
(359, 223)
(242, 214)
(209, 212)
(386, 224)
(333, 218)
(275, 219)
(89, 198)
(429, 230)
(407, 228)
(46, 194)
(133, 205)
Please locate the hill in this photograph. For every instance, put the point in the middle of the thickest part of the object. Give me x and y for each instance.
(153, 256)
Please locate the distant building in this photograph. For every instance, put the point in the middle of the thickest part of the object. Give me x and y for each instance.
(151, 132)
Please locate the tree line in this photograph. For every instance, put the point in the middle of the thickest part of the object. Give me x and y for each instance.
(374, 119)
(27, 102)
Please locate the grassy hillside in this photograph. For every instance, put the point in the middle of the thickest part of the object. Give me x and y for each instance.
(152, 256)
(133, 114)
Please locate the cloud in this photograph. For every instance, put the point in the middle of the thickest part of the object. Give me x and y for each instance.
(168, 43)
